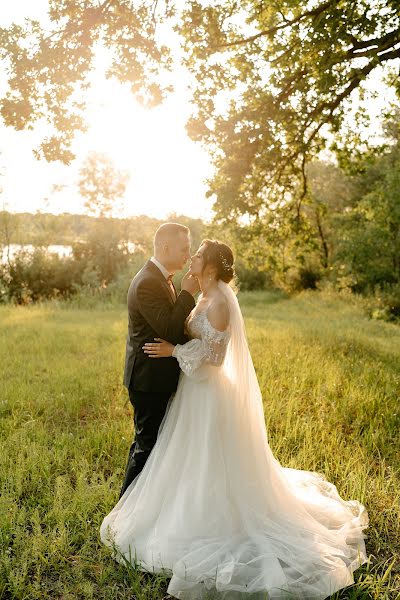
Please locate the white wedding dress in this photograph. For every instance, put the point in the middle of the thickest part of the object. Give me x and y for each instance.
(213, 508)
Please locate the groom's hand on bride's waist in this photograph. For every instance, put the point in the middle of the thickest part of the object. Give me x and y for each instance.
(158, 349)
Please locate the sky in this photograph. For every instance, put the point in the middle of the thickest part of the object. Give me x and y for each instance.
(167, 170)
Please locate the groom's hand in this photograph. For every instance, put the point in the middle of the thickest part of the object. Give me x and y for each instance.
(190, 284)
(159, 349)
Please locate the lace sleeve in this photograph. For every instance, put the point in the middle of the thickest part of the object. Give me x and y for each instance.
(209, 350)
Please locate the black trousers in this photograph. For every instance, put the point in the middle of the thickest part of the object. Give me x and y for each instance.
(149, 409)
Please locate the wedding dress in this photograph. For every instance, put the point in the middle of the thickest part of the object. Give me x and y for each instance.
(213, 508)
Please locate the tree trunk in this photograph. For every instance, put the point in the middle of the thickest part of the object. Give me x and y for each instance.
(325, 257)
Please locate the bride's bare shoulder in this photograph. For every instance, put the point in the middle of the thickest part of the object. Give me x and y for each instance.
(218, 313)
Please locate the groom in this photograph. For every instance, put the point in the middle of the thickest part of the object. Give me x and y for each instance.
(155, 309)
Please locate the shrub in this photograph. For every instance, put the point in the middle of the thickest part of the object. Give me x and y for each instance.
(92, 290)
(103, 252)
(384, 302)
(299, 278)
(251, 279)
(38, 275)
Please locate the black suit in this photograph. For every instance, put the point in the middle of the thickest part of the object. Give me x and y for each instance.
(153, 312)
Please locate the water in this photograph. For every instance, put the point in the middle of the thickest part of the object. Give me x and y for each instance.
(13, 249)
(62, 251)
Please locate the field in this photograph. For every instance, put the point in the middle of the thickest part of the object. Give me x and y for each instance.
(331, 385)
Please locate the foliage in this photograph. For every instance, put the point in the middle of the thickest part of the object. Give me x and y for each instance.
(332, 193)
(92, 293)
(250, 279)
(103, 252)
(49, 68)
(103, 261)
(273, 86)
(96, 270)
(384, 302)
(67, 229)
(37, 275)
(349, 233)
(330, 384)
(272, 81)
(269, 77)
(368, 235)
(101, 184)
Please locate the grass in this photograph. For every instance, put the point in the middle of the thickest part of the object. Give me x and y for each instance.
(330, 380)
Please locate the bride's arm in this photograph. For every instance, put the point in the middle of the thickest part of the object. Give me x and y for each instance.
(211, 348)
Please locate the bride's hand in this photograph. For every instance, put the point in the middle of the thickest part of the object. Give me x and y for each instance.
(190, 283)
(159, 349)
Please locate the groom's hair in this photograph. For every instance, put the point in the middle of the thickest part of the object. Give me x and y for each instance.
(169, 231)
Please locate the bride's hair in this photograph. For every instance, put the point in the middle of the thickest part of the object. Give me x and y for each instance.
(219, 255)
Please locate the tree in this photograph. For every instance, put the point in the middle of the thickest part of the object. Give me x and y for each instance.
(105, 251)
(5, 227)
(272, 79)
(331, 194)
(101, 184)
(48, 69)
(288, 67)
(368, 236)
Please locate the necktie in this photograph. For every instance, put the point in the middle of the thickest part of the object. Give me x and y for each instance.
(171, 287)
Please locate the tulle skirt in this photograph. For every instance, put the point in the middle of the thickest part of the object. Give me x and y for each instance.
(215, 510)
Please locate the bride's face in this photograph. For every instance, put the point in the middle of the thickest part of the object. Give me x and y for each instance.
(196, 262)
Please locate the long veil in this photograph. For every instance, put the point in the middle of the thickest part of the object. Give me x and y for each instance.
(238, 364)
(301, 497)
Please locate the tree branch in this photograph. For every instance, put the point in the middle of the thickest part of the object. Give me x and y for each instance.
(283, 94)
(304, 185)
(355, 80)
(379, 45)
(358, 76)
(290, 49)
(359, 45)
(288, 23)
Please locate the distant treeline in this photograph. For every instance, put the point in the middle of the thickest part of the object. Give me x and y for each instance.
(106, 253)
(44, 229)
(349, 241)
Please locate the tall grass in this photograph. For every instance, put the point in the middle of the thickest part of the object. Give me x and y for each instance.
(330, 380)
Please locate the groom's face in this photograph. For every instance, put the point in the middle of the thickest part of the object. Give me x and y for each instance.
(179, 251)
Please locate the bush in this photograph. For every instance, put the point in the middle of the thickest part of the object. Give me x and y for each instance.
(297, 279)
(384, 302)
(103, 252)
(251, 279)
(92, 290)
(37, 275)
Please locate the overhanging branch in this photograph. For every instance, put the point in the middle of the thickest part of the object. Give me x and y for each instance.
(272, 30)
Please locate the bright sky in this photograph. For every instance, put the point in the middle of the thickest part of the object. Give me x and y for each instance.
(167, 170)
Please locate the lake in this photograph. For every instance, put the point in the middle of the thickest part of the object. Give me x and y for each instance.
(62, 251)
(13, 249)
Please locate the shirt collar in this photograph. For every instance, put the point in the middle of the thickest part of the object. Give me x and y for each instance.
(163, 270)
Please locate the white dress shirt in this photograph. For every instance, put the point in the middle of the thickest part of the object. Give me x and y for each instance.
(166, 274)
(163, 270)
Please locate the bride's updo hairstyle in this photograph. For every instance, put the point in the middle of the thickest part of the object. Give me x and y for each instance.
(220, 256)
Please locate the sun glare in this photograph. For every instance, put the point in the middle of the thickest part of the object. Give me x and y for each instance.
(166, 168)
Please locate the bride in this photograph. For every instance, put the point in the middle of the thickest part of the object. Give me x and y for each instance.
(212, 507)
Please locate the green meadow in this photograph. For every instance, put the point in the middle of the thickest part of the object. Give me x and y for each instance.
(330, 379)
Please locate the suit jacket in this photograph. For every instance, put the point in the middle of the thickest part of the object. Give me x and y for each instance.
(153, 312)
